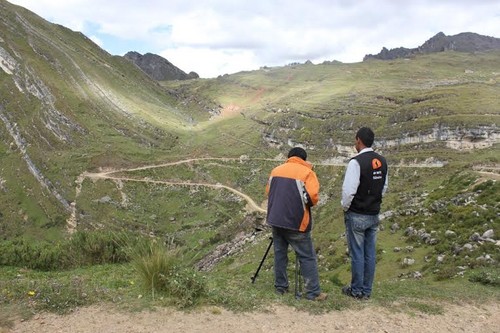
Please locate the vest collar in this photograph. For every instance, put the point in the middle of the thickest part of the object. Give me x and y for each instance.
(364, 150)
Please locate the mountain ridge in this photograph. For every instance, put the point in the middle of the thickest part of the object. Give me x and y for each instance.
(462, 42)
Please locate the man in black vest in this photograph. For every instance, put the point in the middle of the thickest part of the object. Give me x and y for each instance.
(364, 185)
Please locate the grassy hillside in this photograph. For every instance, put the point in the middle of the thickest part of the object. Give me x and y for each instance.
(397, 98)
(106, 175)
(70, 107)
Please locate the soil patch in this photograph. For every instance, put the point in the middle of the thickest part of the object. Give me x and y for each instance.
(369, 318)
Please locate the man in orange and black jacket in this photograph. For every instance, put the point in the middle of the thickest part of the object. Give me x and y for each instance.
(292, 190)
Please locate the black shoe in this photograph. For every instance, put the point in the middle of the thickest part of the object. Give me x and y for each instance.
(346, 290)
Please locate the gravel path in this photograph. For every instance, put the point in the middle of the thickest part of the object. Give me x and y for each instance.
(370, 318)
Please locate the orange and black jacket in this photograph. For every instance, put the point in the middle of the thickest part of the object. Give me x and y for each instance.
(292, 190)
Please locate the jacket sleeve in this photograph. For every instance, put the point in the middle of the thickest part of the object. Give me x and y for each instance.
(350, 184)
(312, 187)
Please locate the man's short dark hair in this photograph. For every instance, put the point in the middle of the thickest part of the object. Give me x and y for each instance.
(366, 136)
(299, 152)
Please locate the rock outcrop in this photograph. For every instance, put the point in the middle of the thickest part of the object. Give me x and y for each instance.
(463, 42)
(157, 67)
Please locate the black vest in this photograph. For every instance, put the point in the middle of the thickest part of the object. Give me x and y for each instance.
(373, 172)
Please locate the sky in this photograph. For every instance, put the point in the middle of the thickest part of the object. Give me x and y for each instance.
(217, 37)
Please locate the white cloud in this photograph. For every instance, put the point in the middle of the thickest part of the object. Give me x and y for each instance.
(96, 40)
(211, 63)
(214, 37)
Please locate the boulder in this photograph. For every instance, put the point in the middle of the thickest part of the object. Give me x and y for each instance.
(488, 234)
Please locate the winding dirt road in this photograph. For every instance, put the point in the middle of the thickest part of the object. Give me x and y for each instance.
(109, 175)
(251, 206)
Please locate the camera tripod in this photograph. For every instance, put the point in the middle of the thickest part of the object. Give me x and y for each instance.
(298, 284)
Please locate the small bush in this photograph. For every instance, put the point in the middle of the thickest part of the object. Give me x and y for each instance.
(153, 262)
(487, 277)
(160, 272)
(186, 285)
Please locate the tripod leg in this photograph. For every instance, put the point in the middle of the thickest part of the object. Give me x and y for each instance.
(300, 282)
(298, 289)
(262, 261)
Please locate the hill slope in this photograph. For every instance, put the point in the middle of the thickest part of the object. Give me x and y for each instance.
(67, 106)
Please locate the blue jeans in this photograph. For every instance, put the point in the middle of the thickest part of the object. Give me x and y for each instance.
(301, 242)
(361, 231)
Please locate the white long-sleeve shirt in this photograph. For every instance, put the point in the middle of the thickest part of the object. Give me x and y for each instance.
(351, 181)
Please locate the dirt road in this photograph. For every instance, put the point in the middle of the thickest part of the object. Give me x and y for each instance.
(482, 318)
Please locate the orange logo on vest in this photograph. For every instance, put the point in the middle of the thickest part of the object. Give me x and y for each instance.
(376, 164)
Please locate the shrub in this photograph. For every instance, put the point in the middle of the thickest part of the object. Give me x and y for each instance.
(160, 272)
(92, 248)
(186, 285)
(487, 277)
(42, 256)
(82, 249)
(153, 262)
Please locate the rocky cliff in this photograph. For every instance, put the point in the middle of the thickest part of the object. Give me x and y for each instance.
(463, 42)
(158, 68)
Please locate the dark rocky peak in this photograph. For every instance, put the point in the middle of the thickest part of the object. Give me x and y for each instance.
(435, 44)
(157, 67)
(463, 42)
(399, 52)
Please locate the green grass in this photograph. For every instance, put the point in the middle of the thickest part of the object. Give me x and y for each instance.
(121, 285)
